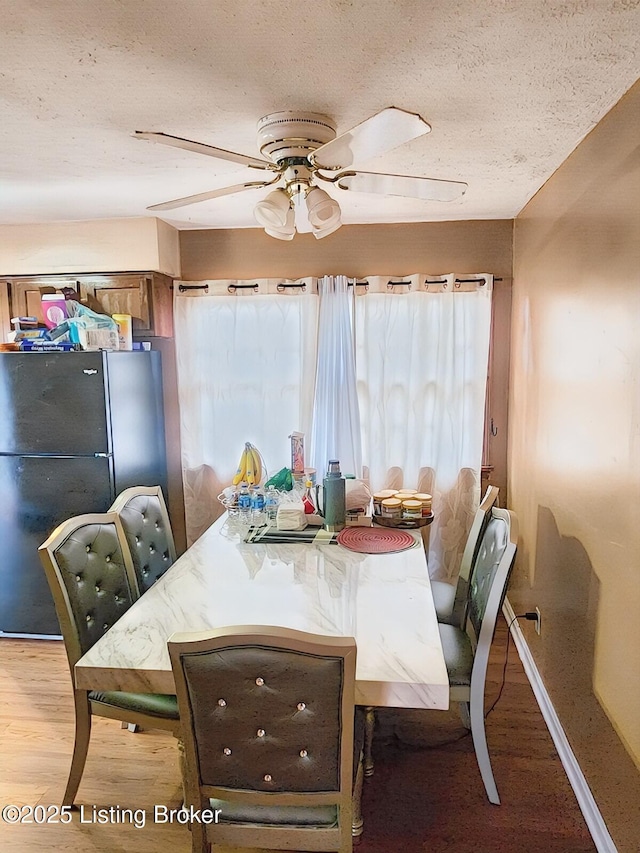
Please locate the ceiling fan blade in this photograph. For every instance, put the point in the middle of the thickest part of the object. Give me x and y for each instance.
(382, 132)
(201, 148)
(429, 189)
(193, 199)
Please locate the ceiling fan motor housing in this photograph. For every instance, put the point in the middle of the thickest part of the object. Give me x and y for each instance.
(293, 134)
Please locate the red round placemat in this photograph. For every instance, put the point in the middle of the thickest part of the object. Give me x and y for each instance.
(375, 540)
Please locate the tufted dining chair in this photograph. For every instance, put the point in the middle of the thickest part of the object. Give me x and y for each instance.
(145, 519)
(451, 600)
(269, 737)
(91, 577)
(466, 649)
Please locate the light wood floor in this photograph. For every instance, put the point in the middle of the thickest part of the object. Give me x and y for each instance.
(426, 794)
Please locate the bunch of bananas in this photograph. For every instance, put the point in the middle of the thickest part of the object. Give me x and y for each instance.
(250, 466)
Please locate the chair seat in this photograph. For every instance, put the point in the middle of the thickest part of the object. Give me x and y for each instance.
(321, 816)
(444, 595)
(458, 655)
(154, 704)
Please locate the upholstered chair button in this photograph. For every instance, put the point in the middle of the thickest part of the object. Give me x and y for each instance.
(87, 548)
(303, 753)
(97, 587)
(165, 556)
(78, 577)
(261, 732)
(301, 706)
(157, 526)
(226, 750)
(222, 703)
(152, 549)
(259, 681)
(107, 559)
(88, 617)
(267, 777)
(137, 538)
(105, 626)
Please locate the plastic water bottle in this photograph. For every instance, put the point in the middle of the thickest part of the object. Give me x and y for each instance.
(244, 503)
(257, 505)
(271, 505)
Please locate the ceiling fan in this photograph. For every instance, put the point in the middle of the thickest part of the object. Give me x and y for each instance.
(302, 149)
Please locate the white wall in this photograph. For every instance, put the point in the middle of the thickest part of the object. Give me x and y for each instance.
(107, 245)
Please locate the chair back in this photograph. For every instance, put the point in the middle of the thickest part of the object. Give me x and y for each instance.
(268, 720)
(478, 525)
(145, 519)
(488, 585)
(476, 531)
(91, 577)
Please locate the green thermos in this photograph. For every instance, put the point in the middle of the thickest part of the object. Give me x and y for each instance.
(333, 504)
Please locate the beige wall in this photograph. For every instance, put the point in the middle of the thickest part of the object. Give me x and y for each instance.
(106, 245)
(574, 452)
(353, 250)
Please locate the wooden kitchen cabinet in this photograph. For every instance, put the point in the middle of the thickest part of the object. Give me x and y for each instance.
(146, 296)
(25, 293)
(123, 294)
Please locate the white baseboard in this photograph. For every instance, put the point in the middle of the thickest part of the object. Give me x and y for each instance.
(588, 806)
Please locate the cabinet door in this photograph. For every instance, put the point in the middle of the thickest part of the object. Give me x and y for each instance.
(120, 294)
(26, 293)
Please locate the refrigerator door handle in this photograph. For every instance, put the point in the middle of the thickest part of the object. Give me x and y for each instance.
(55, 455)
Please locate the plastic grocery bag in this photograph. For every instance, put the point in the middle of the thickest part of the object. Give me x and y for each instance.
(90, 329)
(283, 480)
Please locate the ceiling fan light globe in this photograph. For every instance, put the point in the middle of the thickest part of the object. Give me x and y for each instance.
(287, 231)
(319, 233)
(323, 210)
(280, 233)
(273, 211)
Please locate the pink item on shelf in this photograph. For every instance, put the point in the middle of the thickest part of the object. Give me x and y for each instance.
(54, 309)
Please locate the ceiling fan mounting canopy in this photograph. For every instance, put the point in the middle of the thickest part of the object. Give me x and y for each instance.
(293, 134)
(298, 146)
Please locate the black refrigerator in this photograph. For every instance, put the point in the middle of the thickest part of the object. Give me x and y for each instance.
(76, 428)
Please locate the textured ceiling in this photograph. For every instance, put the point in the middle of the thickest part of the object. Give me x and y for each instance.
(510, 88)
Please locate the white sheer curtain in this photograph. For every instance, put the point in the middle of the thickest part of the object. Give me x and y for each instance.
(422, 358)
(395, 378)
(245, 365)
(336, 418)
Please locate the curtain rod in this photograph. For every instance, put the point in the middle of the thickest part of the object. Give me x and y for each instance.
(183, 287)
(233, 287)
(284, 285)
(457, 281)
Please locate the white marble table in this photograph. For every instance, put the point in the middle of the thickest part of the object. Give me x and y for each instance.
(384, 601)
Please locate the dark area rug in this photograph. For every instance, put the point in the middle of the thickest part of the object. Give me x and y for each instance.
(426, 793)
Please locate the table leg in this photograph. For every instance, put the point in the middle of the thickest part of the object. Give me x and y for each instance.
(357, 821)
(369, 723)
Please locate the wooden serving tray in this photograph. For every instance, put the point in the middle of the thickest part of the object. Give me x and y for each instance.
(403, 523)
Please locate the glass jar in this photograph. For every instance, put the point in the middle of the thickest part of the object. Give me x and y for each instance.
(378, 497)
(405, 493)
(425, 501)
(411, 508)
(391, 508)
